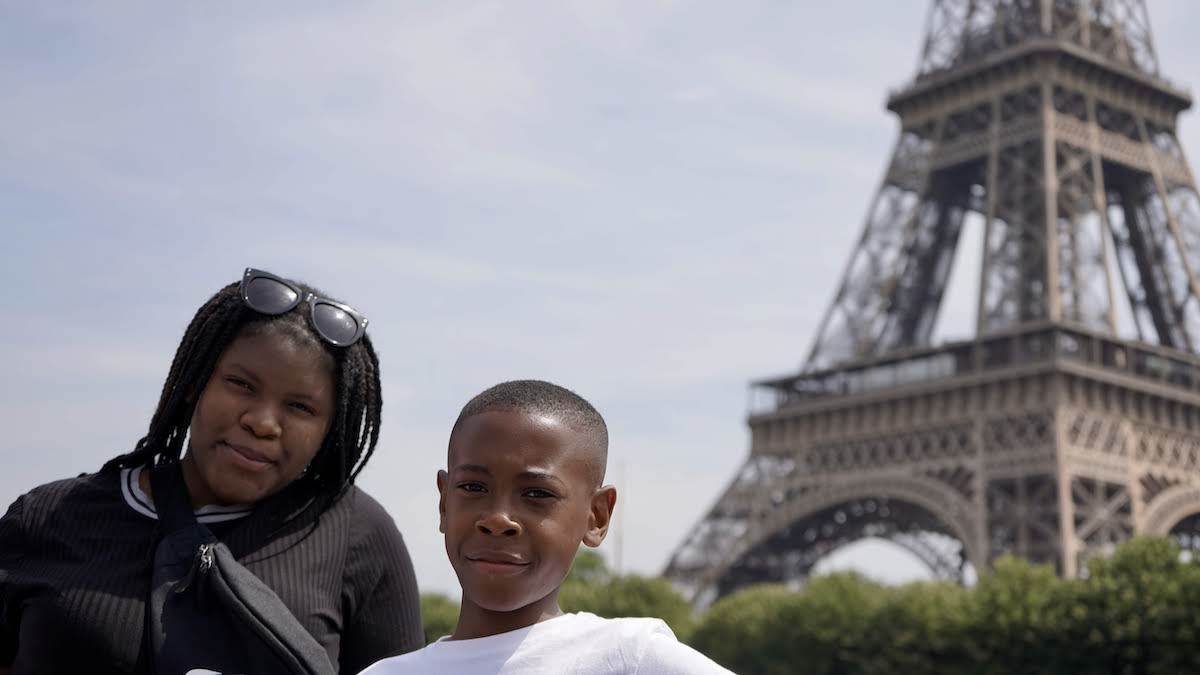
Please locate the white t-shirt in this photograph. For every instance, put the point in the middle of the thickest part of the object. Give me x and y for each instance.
(571, 644)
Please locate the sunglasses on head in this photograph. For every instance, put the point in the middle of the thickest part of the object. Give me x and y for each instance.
(339, 325)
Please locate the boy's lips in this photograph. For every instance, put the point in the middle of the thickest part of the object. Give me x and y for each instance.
(497, 563)
(503, 557)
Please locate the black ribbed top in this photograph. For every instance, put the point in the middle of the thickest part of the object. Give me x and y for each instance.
(75, 564)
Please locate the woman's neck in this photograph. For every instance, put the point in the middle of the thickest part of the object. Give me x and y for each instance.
(191, 479)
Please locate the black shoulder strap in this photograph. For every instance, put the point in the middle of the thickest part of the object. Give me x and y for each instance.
(172, 502)
(206, 611)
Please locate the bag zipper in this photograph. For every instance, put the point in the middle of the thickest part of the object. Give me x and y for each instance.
(201, 564)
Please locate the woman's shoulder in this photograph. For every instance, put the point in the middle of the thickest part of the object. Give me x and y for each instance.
(82, 491)
(372, 532)
(363, 505)
(62, 501)
(358, 508)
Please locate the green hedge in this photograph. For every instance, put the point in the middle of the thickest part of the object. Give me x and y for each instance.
(1136, 612)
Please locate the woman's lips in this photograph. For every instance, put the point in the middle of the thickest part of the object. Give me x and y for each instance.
(245, 457)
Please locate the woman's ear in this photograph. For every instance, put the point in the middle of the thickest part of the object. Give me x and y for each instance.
(604, 500)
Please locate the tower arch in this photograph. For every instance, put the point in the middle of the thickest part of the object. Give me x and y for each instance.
(1170, 508)
(786, 541)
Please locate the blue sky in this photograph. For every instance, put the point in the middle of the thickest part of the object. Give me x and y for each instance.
(648, 202)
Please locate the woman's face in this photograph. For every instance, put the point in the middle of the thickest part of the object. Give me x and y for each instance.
(260, 420)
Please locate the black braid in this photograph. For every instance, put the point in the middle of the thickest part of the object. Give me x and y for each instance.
(354, 430)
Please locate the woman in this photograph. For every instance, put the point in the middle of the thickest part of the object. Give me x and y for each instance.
(276, 392)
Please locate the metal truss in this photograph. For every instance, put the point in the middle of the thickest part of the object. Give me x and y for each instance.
(1050, 443)
(1044, 435)
(781, 515)
(790, 553)
(762, 484)
(1066, 171)
(959, 32)
(1023, 517)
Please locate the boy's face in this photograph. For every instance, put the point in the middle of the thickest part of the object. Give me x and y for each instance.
(518, 497)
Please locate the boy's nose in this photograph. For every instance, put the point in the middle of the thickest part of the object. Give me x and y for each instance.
(498, 523)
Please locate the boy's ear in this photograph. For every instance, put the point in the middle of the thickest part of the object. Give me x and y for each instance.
(442, 479)
(603, 501)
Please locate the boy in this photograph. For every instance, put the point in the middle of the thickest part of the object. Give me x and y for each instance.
(523, 488)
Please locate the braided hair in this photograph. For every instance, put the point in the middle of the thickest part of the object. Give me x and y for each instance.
(352, 434)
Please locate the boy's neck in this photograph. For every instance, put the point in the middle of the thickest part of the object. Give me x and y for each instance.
(476, 622)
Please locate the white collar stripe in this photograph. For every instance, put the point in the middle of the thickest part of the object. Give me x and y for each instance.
(132, 492)
(137, 500)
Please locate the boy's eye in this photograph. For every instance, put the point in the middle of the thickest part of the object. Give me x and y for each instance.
(539, 493)
(472, 487)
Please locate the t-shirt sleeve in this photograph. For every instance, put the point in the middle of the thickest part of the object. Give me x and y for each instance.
(383, 616)
(12, 546)
(661, 654)
(412, 662)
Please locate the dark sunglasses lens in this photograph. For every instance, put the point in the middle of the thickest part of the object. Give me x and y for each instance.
(336, 325)
(269, 296)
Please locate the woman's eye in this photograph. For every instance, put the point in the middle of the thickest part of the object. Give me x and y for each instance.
(303, 408)
(238, 382)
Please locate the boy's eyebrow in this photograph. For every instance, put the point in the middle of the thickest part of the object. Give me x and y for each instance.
(533, 474)
(473, 468)
(543, 476)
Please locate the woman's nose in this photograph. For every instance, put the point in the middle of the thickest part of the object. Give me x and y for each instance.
(262, 421)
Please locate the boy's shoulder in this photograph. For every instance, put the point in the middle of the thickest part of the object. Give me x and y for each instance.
(592, 645)
(595, 638)
(571, 643)
(586, 623)
(538, 641)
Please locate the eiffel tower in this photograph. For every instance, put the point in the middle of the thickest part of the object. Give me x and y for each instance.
(1045, 435)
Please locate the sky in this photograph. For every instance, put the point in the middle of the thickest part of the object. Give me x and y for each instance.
(648, 202)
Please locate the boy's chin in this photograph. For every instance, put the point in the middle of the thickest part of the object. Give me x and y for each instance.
(503, 600)
(500, 605)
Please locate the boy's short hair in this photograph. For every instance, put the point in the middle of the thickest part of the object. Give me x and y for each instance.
(539, 397)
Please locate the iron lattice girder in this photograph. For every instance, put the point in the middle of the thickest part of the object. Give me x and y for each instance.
(1049, 442)
(1045, 436)
(1069, 160)
(962, 32)
(790, 553)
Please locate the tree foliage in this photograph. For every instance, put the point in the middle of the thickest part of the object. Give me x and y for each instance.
(917, 629)
(592, 587)
(1135, 612)
(747, 631)
(439, 615)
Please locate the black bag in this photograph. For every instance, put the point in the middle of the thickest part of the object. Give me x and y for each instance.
(208, 613)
